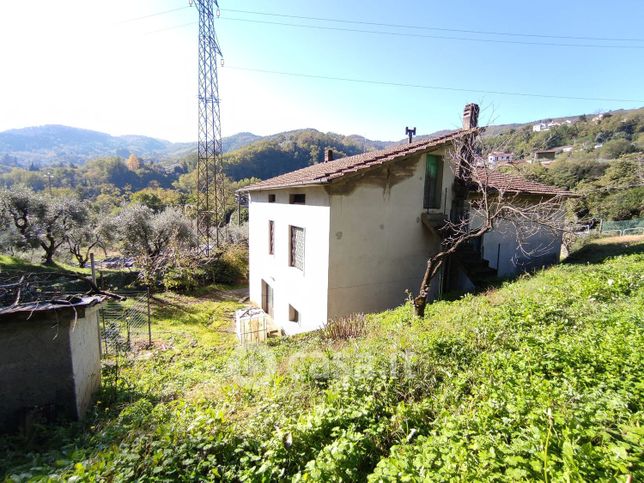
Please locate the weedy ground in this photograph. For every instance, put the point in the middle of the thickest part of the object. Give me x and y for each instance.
(540, 379)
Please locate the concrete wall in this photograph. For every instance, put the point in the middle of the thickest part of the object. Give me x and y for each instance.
(305, 290)
(85, 344)
(40, 355)
(378, 244)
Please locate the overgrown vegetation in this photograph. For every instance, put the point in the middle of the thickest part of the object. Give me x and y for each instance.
(539, 380)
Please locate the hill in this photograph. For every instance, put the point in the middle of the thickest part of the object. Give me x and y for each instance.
(538, 380)
(622, 131)
(43, 145)
(287, 151)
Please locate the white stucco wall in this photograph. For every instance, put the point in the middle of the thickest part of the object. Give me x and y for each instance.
(84, 341)
(305, 290)
(378, 245)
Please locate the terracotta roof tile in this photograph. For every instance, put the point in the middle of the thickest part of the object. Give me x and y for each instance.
(322, 173)
(516, 184)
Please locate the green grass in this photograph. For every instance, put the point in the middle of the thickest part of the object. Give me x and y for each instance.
(14, 263)
(538, 380)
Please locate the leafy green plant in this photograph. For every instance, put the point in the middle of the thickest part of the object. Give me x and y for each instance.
(538, 380)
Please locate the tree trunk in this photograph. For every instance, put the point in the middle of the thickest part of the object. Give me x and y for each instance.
(420, 303)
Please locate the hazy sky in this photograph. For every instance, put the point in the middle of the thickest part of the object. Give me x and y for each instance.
(99, 65)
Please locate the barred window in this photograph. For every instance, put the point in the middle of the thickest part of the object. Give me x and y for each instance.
(271, 237)
(296, 258)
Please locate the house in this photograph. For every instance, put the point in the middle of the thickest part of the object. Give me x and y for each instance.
(543, 126)
(547, 156)
(353, 234)
(499, 157)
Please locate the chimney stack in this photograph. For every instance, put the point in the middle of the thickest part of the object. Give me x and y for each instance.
(470, 116)
(328, 155)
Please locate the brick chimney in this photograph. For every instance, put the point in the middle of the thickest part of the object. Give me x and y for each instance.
(328, 155)
(470, 116)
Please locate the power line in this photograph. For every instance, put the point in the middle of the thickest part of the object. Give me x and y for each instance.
(156, 14)
(442, 29)
(433, 87)
(444, 37)
(171, 28)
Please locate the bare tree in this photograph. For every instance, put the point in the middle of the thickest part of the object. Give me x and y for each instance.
(485, 200)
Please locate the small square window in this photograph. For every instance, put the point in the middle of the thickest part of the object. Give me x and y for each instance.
(297, 199)
(271, 198)
(293, 315)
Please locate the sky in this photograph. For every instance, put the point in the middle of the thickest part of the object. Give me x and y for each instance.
(130, 67)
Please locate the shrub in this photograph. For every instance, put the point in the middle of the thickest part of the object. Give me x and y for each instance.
(344, 328)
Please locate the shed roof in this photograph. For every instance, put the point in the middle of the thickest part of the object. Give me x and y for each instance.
(75, 302)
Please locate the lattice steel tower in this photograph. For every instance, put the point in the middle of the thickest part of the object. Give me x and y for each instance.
(211, 200)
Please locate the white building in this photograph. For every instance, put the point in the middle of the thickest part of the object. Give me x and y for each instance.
(499, 157)
(353, 234)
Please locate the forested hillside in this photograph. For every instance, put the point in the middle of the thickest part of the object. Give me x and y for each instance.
(292, 150)
(603, 162)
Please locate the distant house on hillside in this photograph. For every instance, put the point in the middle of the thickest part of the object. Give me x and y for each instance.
(353, 234)
(496, 158)
(543, 126)
(547, 156)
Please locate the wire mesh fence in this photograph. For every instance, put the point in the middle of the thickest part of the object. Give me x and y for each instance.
(126, 325)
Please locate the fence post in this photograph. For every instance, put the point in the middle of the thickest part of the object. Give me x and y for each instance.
(93, 265)
(149, 319)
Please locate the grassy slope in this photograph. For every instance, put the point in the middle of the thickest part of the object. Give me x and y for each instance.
(541, 379)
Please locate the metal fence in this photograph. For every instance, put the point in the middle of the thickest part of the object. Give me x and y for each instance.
(126, 325)
(625, 227)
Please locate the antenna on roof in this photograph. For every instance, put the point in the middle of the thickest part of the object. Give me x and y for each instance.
(410, 132)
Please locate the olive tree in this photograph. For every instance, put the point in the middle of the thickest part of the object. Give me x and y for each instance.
(40, 219)
(154, 240)
(82, 239)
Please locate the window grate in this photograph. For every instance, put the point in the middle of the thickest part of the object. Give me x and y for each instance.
(297, 247)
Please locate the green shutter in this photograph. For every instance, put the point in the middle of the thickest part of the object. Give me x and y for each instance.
(433, 179)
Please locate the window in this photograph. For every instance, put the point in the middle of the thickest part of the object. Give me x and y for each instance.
(267, 298)
(433, 181)
(293, 315)
(271, 198)
(271, 237)
(296, 256)
(297, 199)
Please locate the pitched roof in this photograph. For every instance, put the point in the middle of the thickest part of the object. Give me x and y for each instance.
(322, 173)
(516, 184)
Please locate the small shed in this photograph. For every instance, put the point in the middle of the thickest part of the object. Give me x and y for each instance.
(50, 360)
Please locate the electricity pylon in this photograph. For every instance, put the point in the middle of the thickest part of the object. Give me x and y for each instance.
(211, 199)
